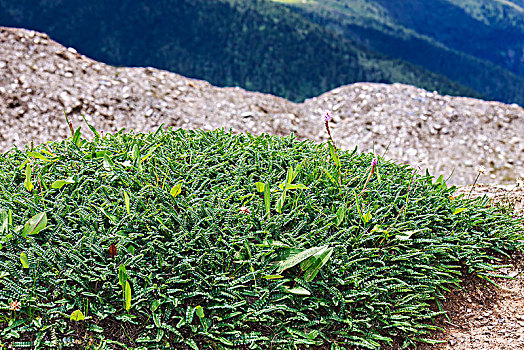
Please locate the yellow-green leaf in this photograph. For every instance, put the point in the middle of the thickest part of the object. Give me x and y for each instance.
(60, 183)
(458, 210)
(175, 191)
(77, 315)
(24, 260)
(27, 182)
(122, 275)
(36, 224)
(126, 200)
(199, 310)
(260, 186)
(127, 295)
(367, 217)
(38, 155)
(273, 277)
(297, 290)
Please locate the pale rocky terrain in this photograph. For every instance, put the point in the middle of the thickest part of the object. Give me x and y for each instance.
(39, 79)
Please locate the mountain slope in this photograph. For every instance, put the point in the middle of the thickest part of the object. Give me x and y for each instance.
(255, 44)
(479, 44)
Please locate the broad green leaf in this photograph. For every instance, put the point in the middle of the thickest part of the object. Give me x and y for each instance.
(403, 236)
(321, 259)
(313, 334)
(223, 341)
(267, 199)
(23, 164)
(289, 177)
(76, 137)
(279, 204)
(440, 182)
(293, 186)
(27, 182)
(122, 275)
(39, 156)
(155, 305)
(4, 221)
(191, 343)
(24, 260)
(101, 154)
(458, 210)
(273, 277)
(135, 152)
(298, 258)
(60, 183)
(126, 200)
(36, 224)
(108, 162)
(260, 186)
(330, 177)
(296, 171)
(127, 295)
(149, 154)
(334, 154)
(97, 135)
(377, 173)
(48, 153)
(176, 190)
(297, 290)
(110, 216)
(77, 315)
(367, 217)
(199, 310)
(4, 274)
(341, 213)
(304, 265)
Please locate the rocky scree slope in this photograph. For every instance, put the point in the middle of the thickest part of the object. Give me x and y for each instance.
(39, 79)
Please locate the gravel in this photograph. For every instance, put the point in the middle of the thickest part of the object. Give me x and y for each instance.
(40, 79)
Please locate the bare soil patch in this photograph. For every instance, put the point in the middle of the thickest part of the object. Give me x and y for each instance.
(482, 316)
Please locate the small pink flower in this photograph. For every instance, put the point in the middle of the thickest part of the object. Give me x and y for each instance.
(15, 305)
(374, 162)
(245, 210)
(327, 117)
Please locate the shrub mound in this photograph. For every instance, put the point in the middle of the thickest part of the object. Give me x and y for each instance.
(194, 239)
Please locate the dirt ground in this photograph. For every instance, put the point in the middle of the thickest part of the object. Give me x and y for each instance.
(482, 316)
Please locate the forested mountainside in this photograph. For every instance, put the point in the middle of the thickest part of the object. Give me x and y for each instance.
(477, 43)
(259, 45)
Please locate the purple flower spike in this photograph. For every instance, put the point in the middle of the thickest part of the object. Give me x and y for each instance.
(374, 162)
(327, 117)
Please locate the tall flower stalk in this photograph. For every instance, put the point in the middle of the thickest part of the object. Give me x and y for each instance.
(481, 170)
(327, 118)
(374, 163)
(333, 147)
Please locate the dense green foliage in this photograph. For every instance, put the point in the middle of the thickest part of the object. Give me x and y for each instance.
(258, 45)
(226, 241)
(479, 44)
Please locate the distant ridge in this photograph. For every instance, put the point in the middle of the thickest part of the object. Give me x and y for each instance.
(477, 43)
(256, 44)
